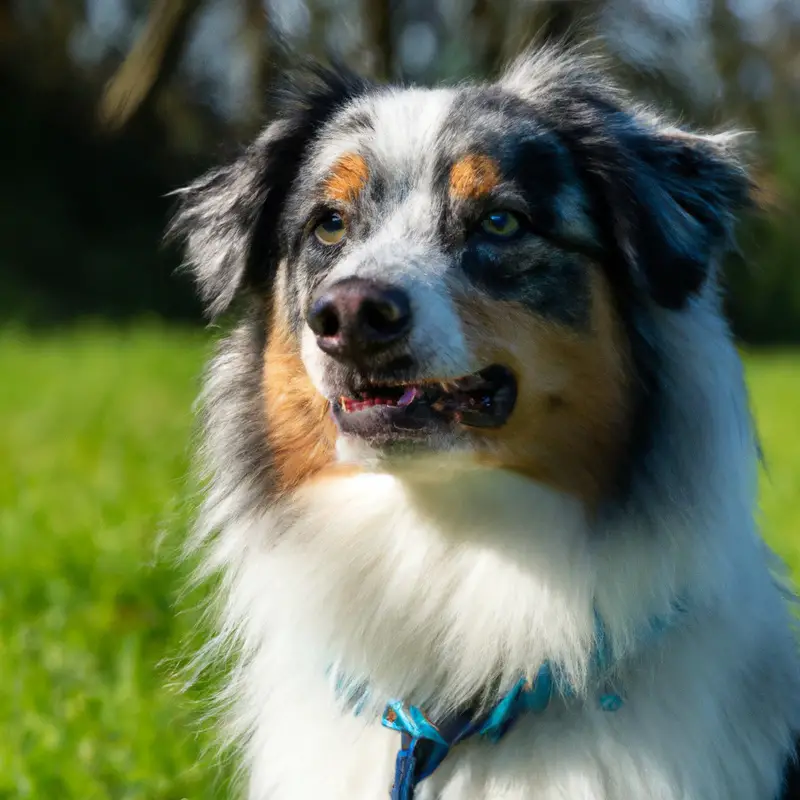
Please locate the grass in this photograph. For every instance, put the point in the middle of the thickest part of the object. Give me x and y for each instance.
(93, 458)
(774, 381)
(93, 454)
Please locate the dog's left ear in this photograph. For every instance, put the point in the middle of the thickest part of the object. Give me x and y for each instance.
(674, 198)
(665, 200)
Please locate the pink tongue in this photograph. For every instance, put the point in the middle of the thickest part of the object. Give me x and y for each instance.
(408, 396)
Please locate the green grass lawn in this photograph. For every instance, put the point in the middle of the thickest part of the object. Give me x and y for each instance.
(93, 457)
(94, 439)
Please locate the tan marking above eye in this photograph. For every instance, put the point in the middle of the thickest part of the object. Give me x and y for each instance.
(347, 178)
(474, 176)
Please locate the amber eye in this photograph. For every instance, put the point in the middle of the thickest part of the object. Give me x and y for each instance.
(501, 224)
(331, 229)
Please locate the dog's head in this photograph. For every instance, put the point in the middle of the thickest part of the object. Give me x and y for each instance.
(463, 269)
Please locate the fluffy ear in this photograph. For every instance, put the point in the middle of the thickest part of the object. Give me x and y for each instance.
(217, 219)
(665, 200)
(673, 203)
(227, 219)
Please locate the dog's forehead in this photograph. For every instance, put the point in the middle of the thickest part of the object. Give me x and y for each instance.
(409, 133)
(473, 140)
(399, 131)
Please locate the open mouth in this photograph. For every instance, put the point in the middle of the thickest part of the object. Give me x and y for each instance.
(484, 399)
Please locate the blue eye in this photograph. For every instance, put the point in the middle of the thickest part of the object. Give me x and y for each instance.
(500, 224)
(331, 230)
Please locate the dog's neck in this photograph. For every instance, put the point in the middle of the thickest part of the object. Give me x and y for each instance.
(414, 575)
(433, 584)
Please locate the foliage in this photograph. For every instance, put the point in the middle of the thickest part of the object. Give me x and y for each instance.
(110, 106)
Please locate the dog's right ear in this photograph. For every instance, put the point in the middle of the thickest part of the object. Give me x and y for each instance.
(227, 219)
(217, 219)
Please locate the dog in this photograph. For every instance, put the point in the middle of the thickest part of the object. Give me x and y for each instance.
(481, 473)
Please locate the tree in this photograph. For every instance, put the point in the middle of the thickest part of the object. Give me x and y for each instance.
(377, 18)
(151, 61)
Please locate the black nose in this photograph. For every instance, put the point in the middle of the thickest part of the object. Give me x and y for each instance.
(355, 318)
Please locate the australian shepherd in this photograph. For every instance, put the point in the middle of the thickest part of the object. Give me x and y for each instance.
(481, 469)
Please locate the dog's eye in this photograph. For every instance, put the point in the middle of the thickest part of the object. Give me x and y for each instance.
(331, 229)
(501, 224)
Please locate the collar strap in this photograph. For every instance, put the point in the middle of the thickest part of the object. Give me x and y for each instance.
(424, 744)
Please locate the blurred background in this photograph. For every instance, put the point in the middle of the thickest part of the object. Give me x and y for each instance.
(108, 105)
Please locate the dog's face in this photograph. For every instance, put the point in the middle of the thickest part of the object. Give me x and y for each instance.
(461, 269)
(442, 289)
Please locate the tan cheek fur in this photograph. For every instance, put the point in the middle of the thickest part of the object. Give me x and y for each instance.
(569, 427)
(300, 431)
(473, 177)
(347, 178)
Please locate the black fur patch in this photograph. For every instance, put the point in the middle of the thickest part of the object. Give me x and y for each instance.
(664, 200)
(547, 280)
(791, 778)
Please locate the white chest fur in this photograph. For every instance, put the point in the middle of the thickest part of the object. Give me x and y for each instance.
(432, 585)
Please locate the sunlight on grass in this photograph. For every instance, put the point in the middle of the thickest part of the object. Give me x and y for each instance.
(774, 380)
(93, 458)
(93, 463)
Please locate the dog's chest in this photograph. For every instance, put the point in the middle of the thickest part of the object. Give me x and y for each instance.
(411, 608)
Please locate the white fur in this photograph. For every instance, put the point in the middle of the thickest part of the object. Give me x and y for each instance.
(404, 250)
(429, 578)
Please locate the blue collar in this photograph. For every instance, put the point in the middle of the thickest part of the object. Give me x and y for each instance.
(424, 744)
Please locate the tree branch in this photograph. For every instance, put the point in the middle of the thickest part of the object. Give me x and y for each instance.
(488, 27)
(377, 16)
(255, 41)
(151, 61)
